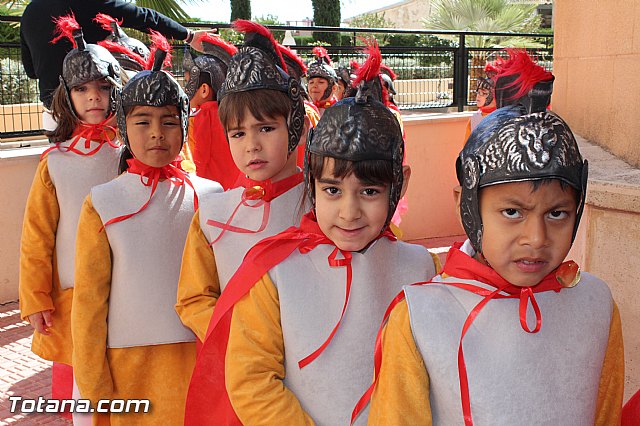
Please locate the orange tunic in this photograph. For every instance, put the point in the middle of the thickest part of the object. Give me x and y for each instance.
(159, 373)
(39, 287)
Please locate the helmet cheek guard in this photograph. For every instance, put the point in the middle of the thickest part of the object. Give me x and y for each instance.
(295, 121)
(469, 200)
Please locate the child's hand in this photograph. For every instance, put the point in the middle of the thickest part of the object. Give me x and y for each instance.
(41, 321)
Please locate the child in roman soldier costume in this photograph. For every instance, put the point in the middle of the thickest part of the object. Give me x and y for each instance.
(130, 52)
(343, 87)
(128, 340)
(261, 109)
(485, 96)
(321, 79)
(291, 336)
(522, 81)
(297, 69)
(208, 143)
(510, 333)
(85, 153)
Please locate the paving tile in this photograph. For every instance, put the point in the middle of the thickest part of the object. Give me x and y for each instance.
(21, 371)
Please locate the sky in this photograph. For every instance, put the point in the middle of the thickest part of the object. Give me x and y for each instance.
(285, 10)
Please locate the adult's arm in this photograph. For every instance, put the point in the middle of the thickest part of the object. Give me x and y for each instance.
(25, 54)
(139, 18)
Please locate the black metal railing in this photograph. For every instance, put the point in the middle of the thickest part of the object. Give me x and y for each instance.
(428, 76)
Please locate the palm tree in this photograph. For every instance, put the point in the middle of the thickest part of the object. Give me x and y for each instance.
(170, 8)
(485, 16)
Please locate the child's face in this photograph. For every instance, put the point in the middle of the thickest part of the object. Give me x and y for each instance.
(155, 135)
(350, 212)
(527, 234)
(317, 87)
(481, 98)
(91, 100)
(260, 147)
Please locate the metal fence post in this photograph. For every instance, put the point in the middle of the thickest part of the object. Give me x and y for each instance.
(460, 74)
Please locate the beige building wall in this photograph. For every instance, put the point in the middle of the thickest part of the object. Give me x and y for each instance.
(596, 64)
(16, 175)
(407, 14)
(433, 142)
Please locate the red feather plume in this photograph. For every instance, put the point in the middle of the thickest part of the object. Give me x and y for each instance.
(159, 42)
(244, 26)
(371, 67)
(218, 41)
(105, 21)
(529, 73)
(118, 48)
(355, 65)
(65, 26)
(389, 71)
(285, 51)
(493, 68)
(321, 53)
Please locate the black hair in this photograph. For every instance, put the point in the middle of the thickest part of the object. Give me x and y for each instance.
(261, 103)
(371, 172)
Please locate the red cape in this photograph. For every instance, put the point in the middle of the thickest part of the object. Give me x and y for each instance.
(211, 154)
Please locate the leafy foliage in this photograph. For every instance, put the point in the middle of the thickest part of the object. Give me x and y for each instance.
(15, 86)
(326, 13)
(373, 20)
(271, 20)
(170, 8)
(240, 9)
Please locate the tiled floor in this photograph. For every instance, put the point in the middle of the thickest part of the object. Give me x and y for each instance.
(22, 373)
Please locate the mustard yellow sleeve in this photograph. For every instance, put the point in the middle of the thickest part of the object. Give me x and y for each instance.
(199, 286)
(187, 163)
(91, 306)
(436, 262)
(611, 388)
(401, 396)
(37, 245)
(254, 365)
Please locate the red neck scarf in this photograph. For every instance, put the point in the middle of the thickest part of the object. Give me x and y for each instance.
(486, 110)
(101, 133)
(460, 265)
(262, 192)
(151, 176)
(325, 103)
(207, 385)
(211, 153)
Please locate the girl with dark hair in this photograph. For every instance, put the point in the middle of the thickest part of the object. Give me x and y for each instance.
(85, 153)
